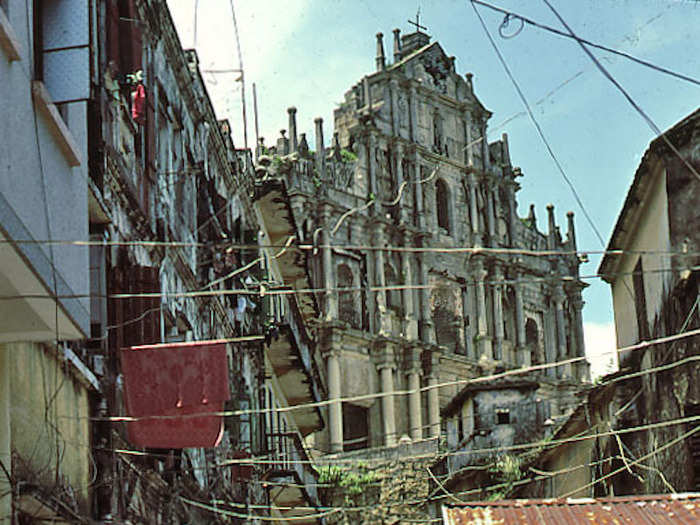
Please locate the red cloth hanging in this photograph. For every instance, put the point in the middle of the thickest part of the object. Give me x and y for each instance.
(138, 104)
(179, 380)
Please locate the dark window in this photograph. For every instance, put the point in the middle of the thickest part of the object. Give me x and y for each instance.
(442, 202)
(503, 416)
(532, 341)
(38, 28)
(355, 427)
(640, 301)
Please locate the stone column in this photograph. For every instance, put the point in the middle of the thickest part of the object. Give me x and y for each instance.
(400, 176)
(473, 211)
(434, 397)
(577, 331)
(483, 346)
(330, 295)
(418, 188)
(469, 158)
(335, 409)
(497, 288)
(293, 139)
(415, 412)
(383, 323)
(512, 214)
(394, 97)
(5, 435)
(485, 147)
(558, 298)
(320, 151)
(410, 328)
(522, 351)
(468, 329)
(372, 169)
(428, 328)
(386, 365)
(490, 217)
(413, 110)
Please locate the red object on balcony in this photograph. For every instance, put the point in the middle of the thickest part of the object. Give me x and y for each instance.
(138, 104)
(185, 382)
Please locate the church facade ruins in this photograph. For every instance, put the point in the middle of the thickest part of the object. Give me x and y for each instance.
(428, 274)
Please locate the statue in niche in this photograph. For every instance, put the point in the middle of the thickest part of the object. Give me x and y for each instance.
(437, 133)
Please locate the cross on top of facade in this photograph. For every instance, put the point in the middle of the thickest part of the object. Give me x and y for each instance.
(417, 22)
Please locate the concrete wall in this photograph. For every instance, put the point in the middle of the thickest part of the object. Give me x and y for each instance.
(49, 430)
(651, 233)
(42, 196)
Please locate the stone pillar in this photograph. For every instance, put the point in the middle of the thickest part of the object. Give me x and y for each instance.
(383, 322)
(490, 217)
(293, 141)
(473, 211)
(418, 187)
(400, 177)
(384, 356)
(468, 329)
(512, 214)
(558, 298)
(433, 397)
(485, 148)
(497, 288)
(335, 409)
(583, 374)
(522, 350)
(397, 45)
(571, 233)
(330, 294)
(410, 327)
(469, 153)
(413, 110)
(415, 412)
(483, 344)
(372, 169)
(428, 328)
(394, 97)
(551, 234)
(5, 435)
(380, 59)
(320, 151)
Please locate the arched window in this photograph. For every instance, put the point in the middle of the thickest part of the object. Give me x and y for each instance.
(442, 203)
(348, 307)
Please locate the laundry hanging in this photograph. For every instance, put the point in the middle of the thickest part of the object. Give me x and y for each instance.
(176, 391)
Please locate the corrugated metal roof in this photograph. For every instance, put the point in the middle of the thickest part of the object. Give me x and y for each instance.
(633, 510)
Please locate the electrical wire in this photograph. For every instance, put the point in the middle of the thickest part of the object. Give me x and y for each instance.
(622, 90)
(540, 132)
(524, 20)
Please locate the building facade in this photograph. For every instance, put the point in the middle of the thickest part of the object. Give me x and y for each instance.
(424, 270)
(128, 218)
(653, 275)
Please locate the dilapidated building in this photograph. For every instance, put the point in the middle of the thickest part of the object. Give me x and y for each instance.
(426, 273)
(652, 268)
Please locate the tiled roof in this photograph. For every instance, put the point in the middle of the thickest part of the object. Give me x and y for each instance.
(658, 509)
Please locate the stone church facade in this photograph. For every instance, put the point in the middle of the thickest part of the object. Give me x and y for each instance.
(386, 213)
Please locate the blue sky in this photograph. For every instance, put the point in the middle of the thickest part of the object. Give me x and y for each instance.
(308, 53)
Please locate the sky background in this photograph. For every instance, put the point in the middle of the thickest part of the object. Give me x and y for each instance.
(308, 53)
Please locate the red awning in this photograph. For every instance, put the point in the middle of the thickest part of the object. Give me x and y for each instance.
(179, 380)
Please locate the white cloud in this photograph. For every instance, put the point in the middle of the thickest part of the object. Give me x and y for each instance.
(600, 342)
